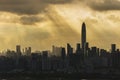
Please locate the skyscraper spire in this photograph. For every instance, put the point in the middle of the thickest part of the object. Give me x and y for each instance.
(83, 37)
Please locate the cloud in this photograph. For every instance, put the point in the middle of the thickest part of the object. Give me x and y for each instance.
(103, 5)
(29, 20)
(57, 1)
(28, 6)
(28, 9)
(114, 18)
(40, 6)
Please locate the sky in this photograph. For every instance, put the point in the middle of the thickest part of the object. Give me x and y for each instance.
(43, 23)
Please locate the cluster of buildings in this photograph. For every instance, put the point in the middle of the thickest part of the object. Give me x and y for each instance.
(84, 59)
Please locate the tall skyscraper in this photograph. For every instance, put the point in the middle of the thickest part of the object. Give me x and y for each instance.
(83, 37)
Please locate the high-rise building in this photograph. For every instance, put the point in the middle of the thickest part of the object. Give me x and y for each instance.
(78, 49)
(114, 55)
(69, 50)
(56, 50)
(78, 46)
(86, 48)
(63, 53)
(113, 48)
(83, 37)
(45, 61)
(28, 51)
(18, 50)
(94, 51)
(18, 55)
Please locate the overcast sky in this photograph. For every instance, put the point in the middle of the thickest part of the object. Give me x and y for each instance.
(43, 23)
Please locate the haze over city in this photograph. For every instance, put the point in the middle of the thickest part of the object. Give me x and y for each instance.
(44, 23)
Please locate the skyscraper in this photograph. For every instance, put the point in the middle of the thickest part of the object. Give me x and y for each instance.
(113, 48)
(78, 49)
(18, 50)
(28, 51)
(83, 37)
(69, 50)
(63, 53)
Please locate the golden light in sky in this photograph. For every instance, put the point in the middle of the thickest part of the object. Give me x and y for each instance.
(44, 23)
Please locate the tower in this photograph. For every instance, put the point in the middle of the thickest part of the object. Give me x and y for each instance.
(78, 49)
(63, 53)
(18, 50)
(18, 55)
(113, 48)
(83, 37)
(69, 50)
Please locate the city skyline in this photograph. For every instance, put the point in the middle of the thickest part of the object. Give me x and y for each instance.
(44, 23)
(84, 60)
(83, 44)
(57, 50)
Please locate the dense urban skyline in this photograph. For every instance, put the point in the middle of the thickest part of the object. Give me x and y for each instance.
(44, 23)
(84, 60)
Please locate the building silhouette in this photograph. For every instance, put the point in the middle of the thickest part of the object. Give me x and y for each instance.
(82, 59)
(83, 37)
(78, 49)
(113, 48)
(18, 50)
(69, 50)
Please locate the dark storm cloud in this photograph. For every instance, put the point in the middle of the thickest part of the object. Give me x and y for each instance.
(38, 6)
(28, 20)
(21, 6)
(103, 5)
(57, 1)
(28, 6)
